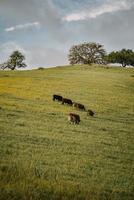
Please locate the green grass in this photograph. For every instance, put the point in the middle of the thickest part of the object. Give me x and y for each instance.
(44, 157)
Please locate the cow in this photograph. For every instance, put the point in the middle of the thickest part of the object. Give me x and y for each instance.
(74, 118)
(79, 106)
(57, 97)
(67, 101)
(90, 112)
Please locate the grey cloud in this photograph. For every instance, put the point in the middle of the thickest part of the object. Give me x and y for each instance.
(35, 57)
(17, 11)
(20, 12)
(46, 57)
(115, 31)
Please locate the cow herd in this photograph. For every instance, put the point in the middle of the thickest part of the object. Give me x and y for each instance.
(72, 117)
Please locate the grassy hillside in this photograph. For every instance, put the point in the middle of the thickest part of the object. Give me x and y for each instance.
(45, 157)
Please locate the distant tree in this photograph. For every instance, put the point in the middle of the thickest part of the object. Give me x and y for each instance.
(87, 53)
(124, 57)
(15, 61)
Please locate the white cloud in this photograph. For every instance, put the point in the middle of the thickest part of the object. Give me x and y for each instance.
(108, 7)
(23, 26)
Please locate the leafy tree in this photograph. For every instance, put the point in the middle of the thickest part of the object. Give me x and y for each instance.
(15, 61)
(87, 53)
(124, 57)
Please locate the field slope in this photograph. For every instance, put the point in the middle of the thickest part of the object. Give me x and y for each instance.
(42, 156)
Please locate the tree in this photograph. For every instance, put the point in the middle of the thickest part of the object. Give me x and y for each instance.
(124, 57)
(15, 61)
(87, 53)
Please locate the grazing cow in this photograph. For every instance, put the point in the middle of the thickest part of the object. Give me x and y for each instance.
(90, 112)
(57, 97)
(79, 106)
(74, 118)
(67, 101)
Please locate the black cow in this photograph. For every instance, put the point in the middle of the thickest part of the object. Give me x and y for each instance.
(57, 97)
(79, 106)
(74, 118)
(90, 112)
(67, 101)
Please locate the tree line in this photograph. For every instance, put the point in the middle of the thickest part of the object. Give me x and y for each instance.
(94, 53)
(85, 53)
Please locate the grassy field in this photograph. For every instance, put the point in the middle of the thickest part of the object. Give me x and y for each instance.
(42, 156)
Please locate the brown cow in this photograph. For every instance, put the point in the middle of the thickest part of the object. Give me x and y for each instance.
(90, 112)
(67, 101)
(74, 118)
(79, 106)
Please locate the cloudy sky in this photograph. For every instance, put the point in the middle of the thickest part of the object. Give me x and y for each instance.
(44, 30)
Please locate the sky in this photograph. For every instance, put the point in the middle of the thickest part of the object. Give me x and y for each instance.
(44, 30)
